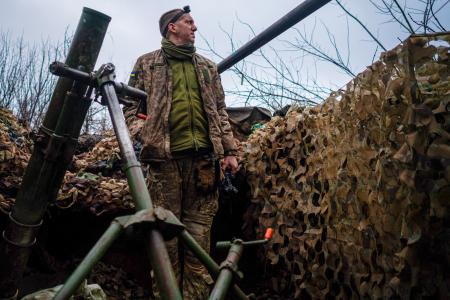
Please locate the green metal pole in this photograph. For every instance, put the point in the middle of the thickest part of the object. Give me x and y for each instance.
(94, 255)
(225, 278)
(159, 258)
(162, 268)
(222, 285)
(227, 244)
(299, 13)
(208, 262)
(131, 166)
(53, 151)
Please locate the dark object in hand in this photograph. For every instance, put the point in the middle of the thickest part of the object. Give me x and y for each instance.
(227, 183)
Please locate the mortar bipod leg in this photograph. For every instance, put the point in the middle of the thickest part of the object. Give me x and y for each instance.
(228, 270)
(94, 255)
(156, 249)
(212, 267)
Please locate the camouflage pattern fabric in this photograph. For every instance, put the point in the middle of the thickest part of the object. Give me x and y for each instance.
(152, 74)
(187, 187)
(357, 188)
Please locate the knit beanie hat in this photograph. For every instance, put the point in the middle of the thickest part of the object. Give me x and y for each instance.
(171, 17)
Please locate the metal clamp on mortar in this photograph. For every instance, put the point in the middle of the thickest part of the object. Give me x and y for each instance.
(26, 238)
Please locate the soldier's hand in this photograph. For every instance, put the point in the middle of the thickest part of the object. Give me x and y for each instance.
(230, 162)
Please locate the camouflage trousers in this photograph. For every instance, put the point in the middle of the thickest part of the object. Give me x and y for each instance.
(188, 187)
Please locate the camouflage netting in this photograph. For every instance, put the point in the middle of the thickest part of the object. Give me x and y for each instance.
(358, 189)
(82, 188)
(94, 181)
(14, 155)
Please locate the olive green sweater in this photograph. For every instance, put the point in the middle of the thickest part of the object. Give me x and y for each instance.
(187, 118)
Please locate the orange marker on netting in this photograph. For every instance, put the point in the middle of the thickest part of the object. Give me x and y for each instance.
(142, 116)
(269, 233)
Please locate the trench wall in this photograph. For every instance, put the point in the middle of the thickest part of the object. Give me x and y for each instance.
(358, 188)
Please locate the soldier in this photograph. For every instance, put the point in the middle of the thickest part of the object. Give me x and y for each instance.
(186, 132)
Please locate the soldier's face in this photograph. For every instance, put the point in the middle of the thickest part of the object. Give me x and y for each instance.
(184, 29)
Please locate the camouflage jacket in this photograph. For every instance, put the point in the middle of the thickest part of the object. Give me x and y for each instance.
(153, 75)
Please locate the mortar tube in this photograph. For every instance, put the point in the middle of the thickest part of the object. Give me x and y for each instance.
(17, 239)
(32, 199)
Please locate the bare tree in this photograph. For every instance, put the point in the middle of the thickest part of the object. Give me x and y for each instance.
(11, 53)
(271, 79)
(414, 16)
(26, 85)
(97, 120)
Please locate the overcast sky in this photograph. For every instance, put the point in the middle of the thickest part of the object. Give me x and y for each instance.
(134, 31)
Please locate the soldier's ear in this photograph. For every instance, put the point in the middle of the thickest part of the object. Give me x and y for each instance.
(171, 28)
